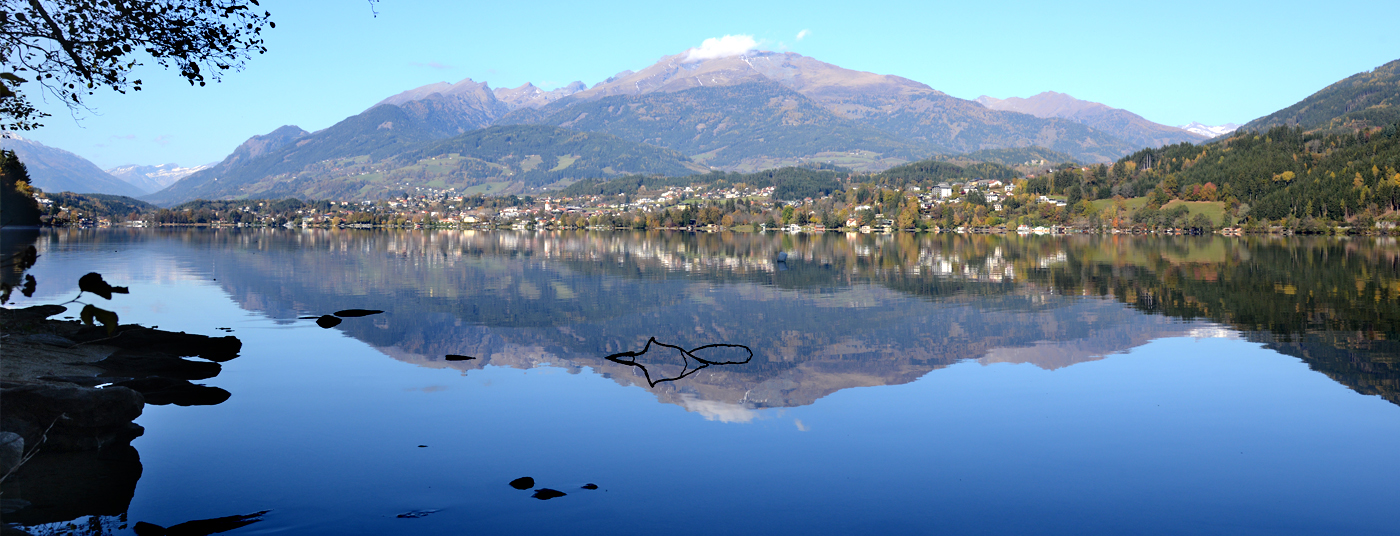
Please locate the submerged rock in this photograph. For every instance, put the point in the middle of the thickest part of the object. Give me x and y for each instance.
(201, 527)
(545, 494)
(162, 391)
(137, 364)
(523, 483)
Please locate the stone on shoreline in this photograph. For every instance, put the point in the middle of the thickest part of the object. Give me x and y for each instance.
(82, 418)
(133, 337)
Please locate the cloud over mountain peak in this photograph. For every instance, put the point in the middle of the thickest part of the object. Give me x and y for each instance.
(721, 47)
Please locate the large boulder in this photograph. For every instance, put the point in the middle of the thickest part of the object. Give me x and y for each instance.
(76, 418)
(63, 486)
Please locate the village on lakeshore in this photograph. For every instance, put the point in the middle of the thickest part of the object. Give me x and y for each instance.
(993, 206)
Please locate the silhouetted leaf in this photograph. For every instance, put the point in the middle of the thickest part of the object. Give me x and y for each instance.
(92, 315)
(93, 283)
(523, 482)
(356, 313)
(28, 289)
(545, 494)
(455, 357)
(327, 321)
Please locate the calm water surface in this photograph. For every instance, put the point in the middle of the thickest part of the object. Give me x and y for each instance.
(899, 384)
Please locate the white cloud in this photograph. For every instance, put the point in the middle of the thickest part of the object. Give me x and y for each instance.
(803, 33)
(714, 410)
(721, 47)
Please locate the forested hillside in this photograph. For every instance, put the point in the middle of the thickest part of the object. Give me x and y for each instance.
(1282, 173)
(1369, 99)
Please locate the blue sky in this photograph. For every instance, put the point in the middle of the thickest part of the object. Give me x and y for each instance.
(1171, 62)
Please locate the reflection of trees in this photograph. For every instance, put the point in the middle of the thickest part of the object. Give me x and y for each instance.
(1332, 302)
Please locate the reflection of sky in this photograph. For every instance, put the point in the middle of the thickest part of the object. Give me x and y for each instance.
(1198, 434)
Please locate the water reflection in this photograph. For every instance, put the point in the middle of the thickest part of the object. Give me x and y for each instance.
(686, 358)
(849, 310)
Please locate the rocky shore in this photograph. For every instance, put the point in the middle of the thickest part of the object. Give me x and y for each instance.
(69, 394)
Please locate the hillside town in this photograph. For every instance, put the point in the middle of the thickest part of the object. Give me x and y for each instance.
(972, 206)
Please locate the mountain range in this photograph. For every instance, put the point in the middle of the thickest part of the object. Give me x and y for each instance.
(746, 112)
(56, 170)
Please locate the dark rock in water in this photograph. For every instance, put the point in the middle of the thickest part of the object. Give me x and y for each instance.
(455, 357)
(545, 494)
(34, 313)
(90, 418)
(11, 451)
(415, 514)
(63, 486)
(356, 313)
(328, 321)
(590, 485)
(137, 364)
(202, 527)
(523, 482)
(134, 337)
(162, 391)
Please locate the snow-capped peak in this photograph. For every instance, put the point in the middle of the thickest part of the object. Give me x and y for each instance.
(1211, 131)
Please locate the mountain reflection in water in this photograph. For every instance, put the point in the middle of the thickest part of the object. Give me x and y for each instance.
(855, 309)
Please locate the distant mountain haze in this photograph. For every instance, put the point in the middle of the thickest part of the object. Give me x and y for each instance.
(1121, 123)
(56, 170)
(390, 150)
(529, 96)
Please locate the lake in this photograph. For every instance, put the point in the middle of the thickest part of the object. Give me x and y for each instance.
(898, 384)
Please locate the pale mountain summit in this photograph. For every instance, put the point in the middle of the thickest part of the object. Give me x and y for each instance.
(1045, 104)
(466, 89)
(154, 178)
(529, 96)
(1210, 131)
(820, 81)
(1121, 123)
